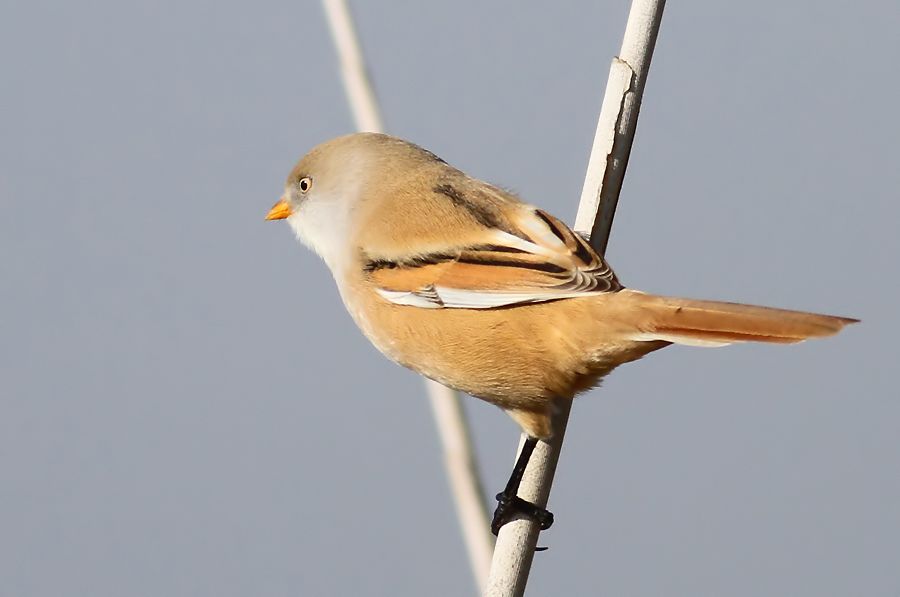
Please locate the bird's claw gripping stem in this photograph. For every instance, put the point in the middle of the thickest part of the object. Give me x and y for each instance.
(510, 505)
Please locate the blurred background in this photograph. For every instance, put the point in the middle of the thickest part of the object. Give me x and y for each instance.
(186, 409)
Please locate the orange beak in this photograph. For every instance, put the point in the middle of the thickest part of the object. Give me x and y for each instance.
(279, 211)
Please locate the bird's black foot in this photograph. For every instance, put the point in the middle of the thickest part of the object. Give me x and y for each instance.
(510, 505)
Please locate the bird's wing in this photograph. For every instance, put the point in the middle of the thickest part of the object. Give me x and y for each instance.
(537, 259)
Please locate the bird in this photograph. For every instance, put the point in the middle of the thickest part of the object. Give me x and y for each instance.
(468, 285)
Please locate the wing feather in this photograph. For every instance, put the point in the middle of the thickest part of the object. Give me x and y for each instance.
(541, 260)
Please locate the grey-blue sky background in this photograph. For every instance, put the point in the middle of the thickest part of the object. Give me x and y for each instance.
(186, 409)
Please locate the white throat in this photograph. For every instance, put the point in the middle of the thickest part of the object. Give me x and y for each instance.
(323, 225)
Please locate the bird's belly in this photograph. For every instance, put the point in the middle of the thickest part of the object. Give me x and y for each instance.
(516, 357)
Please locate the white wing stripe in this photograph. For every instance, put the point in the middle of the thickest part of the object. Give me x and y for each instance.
(411, 299)
(537, 229)
(454, 298)
(514, 242)
(470, 299)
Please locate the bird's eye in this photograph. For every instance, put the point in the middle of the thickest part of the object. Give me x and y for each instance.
(305, 184)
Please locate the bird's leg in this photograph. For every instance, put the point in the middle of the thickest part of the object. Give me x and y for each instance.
(509, 503)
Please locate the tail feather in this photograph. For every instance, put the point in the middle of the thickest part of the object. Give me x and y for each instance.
(713, 323)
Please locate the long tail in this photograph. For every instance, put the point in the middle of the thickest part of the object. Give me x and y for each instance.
(713, 323)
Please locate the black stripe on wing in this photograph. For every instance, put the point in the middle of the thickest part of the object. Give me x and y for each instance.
(595, 274)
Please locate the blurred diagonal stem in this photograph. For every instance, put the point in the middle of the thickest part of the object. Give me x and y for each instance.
(613, 139)
(462, 470)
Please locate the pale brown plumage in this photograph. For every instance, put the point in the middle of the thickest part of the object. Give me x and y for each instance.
(462, 282)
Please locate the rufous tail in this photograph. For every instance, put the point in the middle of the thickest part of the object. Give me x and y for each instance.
(713, 323)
